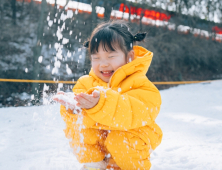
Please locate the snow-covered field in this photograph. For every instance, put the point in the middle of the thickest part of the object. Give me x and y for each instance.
(32, 138)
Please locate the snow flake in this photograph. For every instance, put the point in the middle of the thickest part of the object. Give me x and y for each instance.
(119, 89)
(69, 14)
(123, 97)
(65, 41)
(143, 123)
(130, 59)
(50, 22)
(69, 54)
(108, 155)
(81, 138)
(59, 34)
(55, 70)
(68, 70)
(40, 59)
(57, 64)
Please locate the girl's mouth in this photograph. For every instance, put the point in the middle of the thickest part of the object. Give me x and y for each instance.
(107, 73)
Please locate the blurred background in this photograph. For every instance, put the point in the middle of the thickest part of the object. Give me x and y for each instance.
(42, 40)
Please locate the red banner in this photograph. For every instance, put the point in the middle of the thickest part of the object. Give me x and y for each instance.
(217, 30)
(155, 15)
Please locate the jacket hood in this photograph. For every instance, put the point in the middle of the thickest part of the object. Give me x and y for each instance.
(140, 65)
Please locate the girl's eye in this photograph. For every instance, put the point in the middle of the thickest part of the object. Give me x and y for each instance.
(110, 56)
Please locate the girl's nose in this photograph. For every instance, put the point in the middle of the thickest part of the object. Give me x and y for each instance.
(104, 63)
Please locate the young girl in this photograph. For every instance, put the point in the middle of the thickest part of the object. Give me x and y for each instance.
(113, 119)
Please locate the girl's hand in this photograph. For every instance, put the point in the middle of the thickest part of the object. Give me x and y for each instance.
(87, 101)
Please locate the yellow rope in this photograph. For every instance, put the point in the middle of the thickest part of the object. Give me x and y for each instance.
(36, 81)
(73, 82)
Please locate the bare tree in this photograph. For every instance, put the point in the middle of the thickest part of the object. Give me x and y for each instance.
(94, 15)
(108, 9)
(1, 9)
(141, 17)
(22, 8)
(13, 6)
(38, 48)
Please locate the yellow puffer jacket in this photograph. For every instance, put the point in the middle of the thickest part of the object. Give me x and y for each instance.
(129, 102)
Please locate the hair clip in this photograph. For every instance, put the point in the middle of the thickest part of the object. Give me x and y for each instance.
(139, 36)
(86, 44)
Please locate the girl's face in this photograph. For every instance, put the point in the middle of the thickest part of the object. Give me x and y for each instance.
(105, 63)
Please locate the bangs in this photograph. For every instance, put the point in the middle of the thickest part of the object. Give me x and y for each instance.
(109, 40)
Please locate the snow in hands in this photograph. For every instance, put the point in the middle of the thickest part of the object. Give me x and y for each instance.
(78, 101)
(67, 99)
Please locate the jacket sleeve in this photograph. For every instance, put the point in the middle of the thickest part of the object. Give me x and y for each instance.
(135, 108)
(68, 115)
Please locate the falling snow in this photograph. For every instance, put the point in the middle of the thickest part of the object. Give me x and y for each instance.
(40, 59)
(119, 89)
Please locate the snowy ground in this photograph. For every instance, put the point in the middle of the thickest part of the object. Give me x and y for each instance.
(31, 138)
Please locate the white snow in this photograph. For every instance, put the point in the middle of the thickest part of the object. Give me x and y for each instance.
(40, 59)
(119, 89)
(191, 120)
(102, 89)
(70, 102)
(32, 138)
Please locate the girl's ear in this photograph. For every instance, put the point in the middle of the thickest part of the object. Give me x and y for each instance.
(130, 56)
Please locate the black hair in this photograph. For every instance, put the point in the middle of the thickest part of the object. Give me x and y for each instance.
(109, 34)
